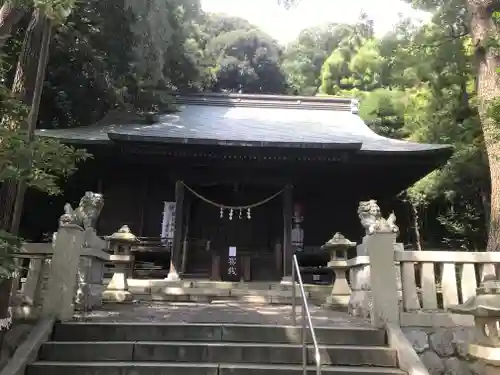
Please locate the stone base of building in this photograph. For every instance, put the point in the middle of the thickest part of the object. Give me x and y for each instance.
(119, 296)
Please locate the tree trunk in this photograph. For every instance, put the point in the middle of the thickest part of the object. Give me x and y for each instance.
(5, 290)
(11, 13)
(27, 86)
(488, 85)
(22, 88)
(485, 202)
(27, 65)
(416, 226)
(43, 59)
(7, 197)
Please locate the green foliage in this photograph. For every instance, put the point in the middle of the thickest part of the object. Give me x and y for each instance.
(56, 10)
(41, 163)
(494, 110)
(247, 61)
(384, 111)
(91, 57)
(415, 83)
(9, 245)
(355, 62)
(304, 58)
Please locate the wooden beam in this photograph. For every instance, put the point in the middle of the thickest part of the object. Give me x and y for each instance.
(241, 174)
(185, 245)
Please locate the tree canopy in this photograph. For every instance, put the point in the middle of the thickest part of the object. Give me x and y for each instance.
(418, 82)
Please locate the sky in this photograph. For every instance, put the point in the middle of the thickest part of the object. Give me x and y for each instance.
(284, 25)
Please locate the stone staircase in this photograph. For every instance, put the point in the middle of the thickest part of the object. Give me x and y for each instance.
(122, 348)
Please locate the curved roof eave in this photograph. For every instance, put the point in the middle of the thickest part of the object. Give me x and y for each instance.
(117, 136)
(408, 148)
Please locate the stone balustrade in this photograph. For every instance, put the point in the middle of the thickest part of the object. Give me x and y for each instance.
(69, 270)
(428, 283)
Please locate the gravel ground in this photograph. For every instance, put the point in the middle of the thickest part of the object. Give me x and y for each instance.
(223, 312)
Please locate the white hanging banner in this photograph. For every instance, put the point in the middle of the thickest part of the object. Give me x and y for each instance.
(168, 222)
(232, 270)
(297, 231)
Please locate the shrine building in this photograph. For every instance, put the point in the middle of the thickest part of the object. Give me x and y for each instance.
(251, 176)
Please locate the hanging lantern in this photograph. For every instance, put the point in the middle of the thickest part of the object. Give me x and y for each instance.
(240, 213)
(221, 212)
(249, 214)
(231, 214)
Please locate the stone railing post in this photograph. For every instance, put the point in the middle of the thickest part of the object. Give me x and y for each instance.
(32, 288)
(90, 284)
(59, 298)
(383, 279)
(360, 300)
(374, 276)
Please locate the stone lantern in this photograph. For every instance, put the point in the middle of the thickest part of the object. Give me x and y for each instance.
(485, 307)
(337, 247)
(121, 244)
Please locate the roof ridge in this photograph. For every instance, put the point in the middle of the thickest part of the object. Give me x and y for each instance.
(268, 101)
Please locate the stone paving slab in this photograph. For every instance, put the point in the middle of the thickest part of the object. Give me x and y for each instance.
(217, 312)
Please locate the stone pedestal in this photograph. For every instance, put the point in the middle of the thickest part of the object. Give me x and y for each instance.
(337, 247)
(485, 307)
(59, 297)
(121, 243)
(172, 276)
(90, 282)
(117, 290)
(361, 299)
(341, 291)
(90, 275)
(375, 278)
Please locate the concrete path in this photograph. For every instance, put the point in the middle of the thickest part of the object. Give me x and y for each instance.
(220, 312)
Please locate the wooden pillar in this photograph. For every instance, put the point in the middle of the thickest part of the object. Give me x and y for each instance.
(175, 258)
(287, 233)
(99, 185)
(100, 190)
(185, 239)
(144, 201)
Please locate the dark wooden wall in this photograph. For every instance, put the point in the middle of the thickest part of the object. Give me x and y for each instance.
(135, 188)
(134, 197)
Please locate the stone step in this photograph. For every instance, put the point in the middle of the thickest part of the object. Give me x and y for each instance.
(223, 292)
(201, 290)
(148, 368)
(197, 298)
(215, 352)
(177, 294)
(148, 331)
(145, 285)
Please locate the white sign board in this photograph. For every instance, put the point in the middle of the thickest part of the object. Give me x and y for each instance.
(232, 251)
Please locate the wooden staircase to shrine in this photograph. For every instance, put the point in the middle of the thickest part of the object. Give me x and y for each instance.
(91, 348)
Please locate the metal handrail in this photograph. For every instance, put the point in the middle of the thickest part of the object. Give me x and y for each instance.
(305, 315)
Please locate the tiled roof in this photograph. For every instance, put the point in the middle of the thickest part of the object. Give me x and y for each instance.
(252, 120)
